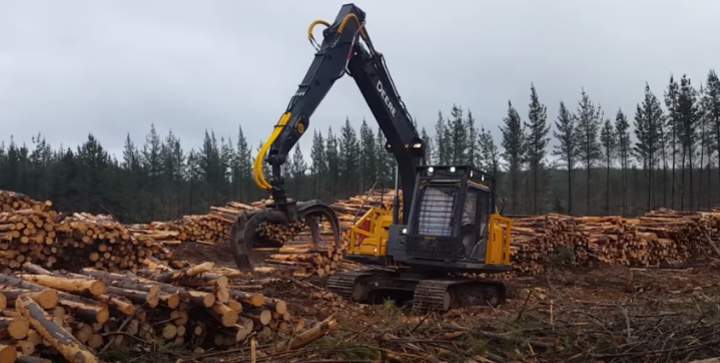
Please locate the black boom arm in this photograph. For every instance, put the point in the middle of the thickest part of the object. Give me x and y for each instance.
(346, 48)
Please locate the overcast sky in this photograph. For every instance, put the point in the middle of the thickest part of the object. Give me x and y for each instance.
(112, 67)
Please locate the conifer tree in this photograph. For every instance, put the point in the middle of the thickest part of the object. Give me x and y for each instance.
(298, 169)
(458, 137)
(333, 163)
(609, 143)
(713, 111)
(537, 141)
(488, 153)
(152, 167)
(648, 121)
(688, 116)
(151, 153)
(131, 155)
(442, 154)
(368, 157)
(349, 158)
(93, 162)
(471, 147)
(673, 127)
(386, 162)
(706, 148)
(567, 147)
(428, 144)
(172, 159)
(318, 168)
(624, 150)
(227, 153)
(588, 117)
(513, 143)
(242, 166)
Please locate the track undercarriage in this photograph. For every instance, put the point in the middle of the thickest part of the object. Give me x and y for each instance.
(428, 292)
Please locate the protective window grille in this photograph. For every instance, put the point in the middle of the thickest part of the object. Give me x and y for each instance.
(436, 210)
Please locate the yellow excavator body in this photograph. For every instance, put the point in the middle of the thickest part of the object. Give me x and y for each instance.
(498, 242)
(369, 236)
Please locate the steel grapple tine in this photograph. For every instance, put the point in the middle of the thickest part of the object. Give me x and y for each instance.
(244, 235)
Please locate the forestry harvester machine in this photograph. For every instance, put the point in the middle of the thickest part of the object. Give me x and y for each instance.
(444, 228)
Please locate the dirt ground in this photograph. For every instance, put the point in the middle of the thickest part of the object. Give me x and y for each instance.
(601, 314)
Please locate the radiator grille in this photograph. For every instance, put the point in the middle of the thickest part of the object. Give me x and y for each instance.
(436, 211)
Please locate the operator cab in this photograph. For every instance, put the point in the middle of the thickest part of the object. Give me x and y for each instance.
(448, 225)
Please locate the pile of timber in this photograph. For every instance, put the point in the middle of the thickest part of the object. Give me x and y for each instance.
(10, 201)
(35, 233)
(289, 246)
(658, 238)
(80, 315)
(302, 259)
(211, 228)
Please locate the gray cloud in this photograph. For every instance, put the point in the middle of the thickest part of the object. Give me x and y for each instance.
(72, 67)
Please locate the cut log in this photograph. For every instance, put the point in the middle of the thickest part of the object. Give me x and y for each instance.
(94, 287)
(120, 304)
(280, 306)
(261, 316)
(200, 298)
(224, 314)
(151, 298)
(56, 336)
(47, 298)
(169, 331)
(309, 336)
(7, 353)
(85, 309)
(17, 327)
(254, 299)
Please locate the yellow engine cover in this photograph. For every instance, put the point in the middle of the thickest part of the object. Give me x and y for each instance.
(369, 235)
(498, 244)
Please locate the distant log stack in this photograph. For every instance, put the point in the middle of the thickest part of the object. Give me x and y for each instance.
(11, 201)
(36, 233)
(74, 315)
(211, 228)
(658, 238)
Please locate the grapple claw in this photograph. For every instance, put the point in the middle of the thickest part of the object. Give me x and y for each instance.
(244, 235)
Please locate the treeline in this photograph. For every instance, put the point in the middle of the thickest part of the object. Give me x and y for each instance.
(656, 157)
(160, 180)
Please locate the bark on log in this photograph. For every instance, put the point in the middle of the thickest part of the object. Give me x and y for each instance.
(59, 338)
(17, 327)
(94, 287)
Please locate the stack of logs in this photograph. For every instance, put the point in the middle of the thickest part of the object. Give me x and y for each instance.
(303, 259)
(31, 231)
(658, 238)
(211, 229)
(80, 315)
(289, 246)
